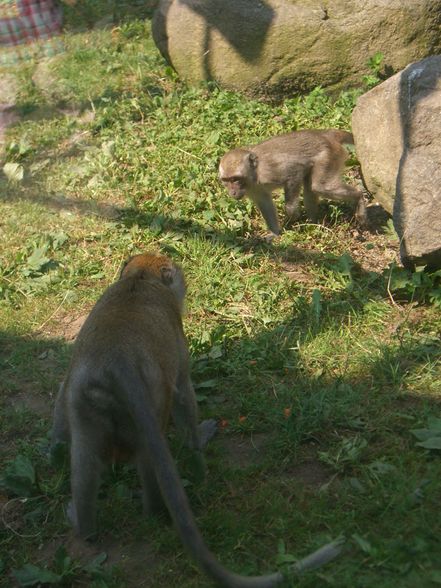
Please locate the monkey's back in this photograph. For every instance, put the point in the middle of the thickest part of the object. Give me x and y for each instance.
(305, 143)
(134, 328)
(294, 153)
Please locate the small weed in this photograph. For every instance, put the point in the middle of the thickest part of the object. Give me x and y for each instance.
(430, 437)
(419, 285)
(64, 571)
(346, 455)
(375, 63)
(20, 477)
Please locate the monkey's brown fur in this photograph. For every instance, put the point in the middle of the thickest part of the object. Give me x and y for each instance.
(129, 372)
(314, 158)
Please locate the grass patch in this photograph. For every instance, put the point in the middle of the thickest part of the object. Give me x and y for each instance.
(316, 373)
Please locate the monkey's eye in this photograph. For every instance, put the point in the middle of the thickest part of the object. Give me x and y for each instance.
(236, 180)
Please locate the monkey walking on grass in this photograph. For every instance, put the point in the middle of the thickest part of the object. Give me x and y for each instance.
(314, 158)
(128, 374)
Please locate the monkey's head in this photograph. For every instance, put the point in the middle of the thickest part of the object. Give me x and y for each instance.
(155, 265)
(237, 170)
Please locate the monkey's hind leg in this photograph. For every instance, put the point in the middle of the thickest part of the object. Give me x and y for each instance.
(152, 501)
(185, 411)
(87, 445)
(292, 197)
(310, 200)
(344, 193)
(186, 419)
(326, 181)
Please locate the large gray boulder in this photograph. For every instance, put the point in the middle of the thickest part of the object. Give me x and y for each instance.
(397, 132)
(292, 45)
(378, 136)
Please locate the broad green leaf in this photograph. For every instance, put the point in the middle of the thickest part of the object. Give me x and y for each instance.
(58, 239)
(30, 575)
(435, 576)
(381, 467)
(22, 466)
(13, 171)
(399, 279)
(206, 384)
(20, 477)
(423, 434)
(37, 260)
(17, 486)
(431, 443)
(434, 424)
(94, 566)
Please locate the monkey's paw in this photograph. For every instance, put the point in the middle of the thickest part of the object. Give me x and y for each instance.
(270, 237)
(207, 430)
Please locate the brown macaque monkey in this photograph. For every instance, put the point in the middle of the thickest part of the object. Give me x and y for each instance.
(128, 374)
(314, 158)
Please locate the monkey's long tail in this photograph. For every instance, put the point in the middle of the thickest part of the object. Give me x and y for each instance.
(176, 499)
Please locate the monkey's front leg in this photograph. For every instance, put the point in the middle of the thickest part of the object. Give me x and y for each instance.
(263, 200)
(185, 417)
(207, 429)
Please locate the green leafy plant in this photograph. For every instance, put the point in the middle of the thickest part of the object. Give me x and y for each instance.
(375, 63)
(64, 570)
(346, 454)
(419, 285)
(429, 437)
(20, 477)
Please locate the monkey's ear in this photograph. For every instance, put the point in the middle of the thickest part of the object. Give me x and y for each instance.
(252, 158)
(125, 264)
(167, 274)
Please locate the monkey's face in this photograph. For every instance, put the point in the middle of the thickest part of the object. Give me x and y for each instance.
(237, 171)
(236, 186)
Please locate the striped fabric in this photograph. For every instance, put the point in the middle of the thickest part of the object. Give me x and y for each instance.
(29, 28)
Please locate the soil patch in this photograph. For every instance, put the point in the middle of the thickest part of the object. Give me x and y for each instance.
(242, 451)
(311, 474)
(32, 401)
(71, 328)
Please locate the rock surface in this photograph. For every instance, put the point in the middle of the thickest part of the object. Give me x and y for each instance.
(397, 132)
(378, 136)
(292, 45)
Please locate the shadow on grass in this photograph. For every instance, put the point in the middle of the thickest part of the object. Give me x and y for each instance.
(31, 368)
(309, 402)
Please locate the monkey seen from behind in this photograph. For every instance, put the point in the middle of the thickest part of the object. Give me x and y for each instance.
(128, 375)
